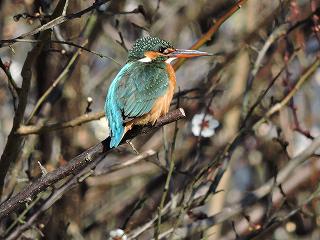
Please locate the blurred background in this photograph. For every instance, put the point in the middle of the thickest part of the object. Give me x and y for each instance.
(232, 143)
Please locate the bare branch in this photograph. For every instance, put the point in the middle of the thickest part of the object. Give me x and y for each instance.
(78, 163)
(117, 164)
(277, 107)
(251, 198)
(59, 79)
(85, 118)
(207, 37)
(56, 21)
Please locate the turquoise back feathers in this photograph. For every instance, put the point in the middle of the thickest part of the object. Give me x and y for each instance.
(133, 93)
(113, 111)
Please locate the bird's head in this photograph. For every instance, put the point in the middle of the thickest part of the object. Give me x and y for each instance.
(153, 49)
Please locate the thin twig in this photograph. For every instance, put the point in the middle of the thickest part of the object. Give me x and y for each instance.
(85, 118)
(277, 107)
(57, 20)
(274, 36)
(207, 37)
(167, 183)
(13, 87)
(250, 199)
(59, 79)
(62, 42)
(9, 76)
(64, 12)
(264, 93)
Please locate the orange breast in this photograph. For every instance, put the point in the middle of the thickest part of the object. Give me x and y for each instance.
(161, 106)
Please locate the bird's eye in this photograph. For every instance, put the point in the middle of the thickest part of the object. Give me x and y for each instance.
(162, 50)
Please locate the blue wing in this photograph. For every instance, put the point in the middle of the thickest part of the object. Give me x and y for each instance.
(132, 94)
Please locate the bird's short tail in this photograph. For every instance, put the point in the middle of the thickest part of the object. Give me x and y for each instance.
(116, 138)
(115, 124)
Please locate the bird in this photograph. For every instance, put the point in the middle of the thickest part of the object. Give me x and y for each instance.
(143, 89)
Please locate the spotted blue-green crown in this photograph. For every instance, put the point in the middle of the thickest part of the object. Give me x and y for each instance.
(145, 44)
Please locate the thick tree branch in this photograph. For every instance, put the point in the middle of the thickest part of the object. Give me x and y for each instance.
(14, 141)
(11, 150)
(77, 164)
(56, 194)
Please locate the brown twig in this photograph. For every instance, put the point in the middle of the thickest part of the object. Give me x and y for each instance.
(14, 141)
(274, 36)
(13, 87)
(115, 165)
(253, 197)
(57, 20)
(9, 76)
(85, 118)
(77, 164)
(11, 150)
(207, 37)
(63, 42)
(62, 76)
(277, 107)
(37, 129)
(264, 93)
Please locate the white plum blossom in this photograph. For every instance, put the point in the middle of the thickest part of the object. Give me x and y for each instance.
(204, 124)
(117, 234)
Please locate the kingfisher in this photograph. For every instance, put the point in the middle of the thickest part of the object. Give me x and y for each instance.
(143, 89)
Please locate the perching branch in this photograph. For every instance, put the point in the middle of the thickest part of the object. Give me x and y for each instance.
(85, 118)
(56, 194)
(77, 164)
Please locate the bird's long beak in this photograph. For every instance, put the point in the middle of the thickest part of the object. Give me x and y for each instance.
(183, 53)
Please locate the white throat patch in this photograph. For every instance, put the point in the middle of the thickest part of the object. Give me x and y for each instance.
(145, 59)
(169, 60)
